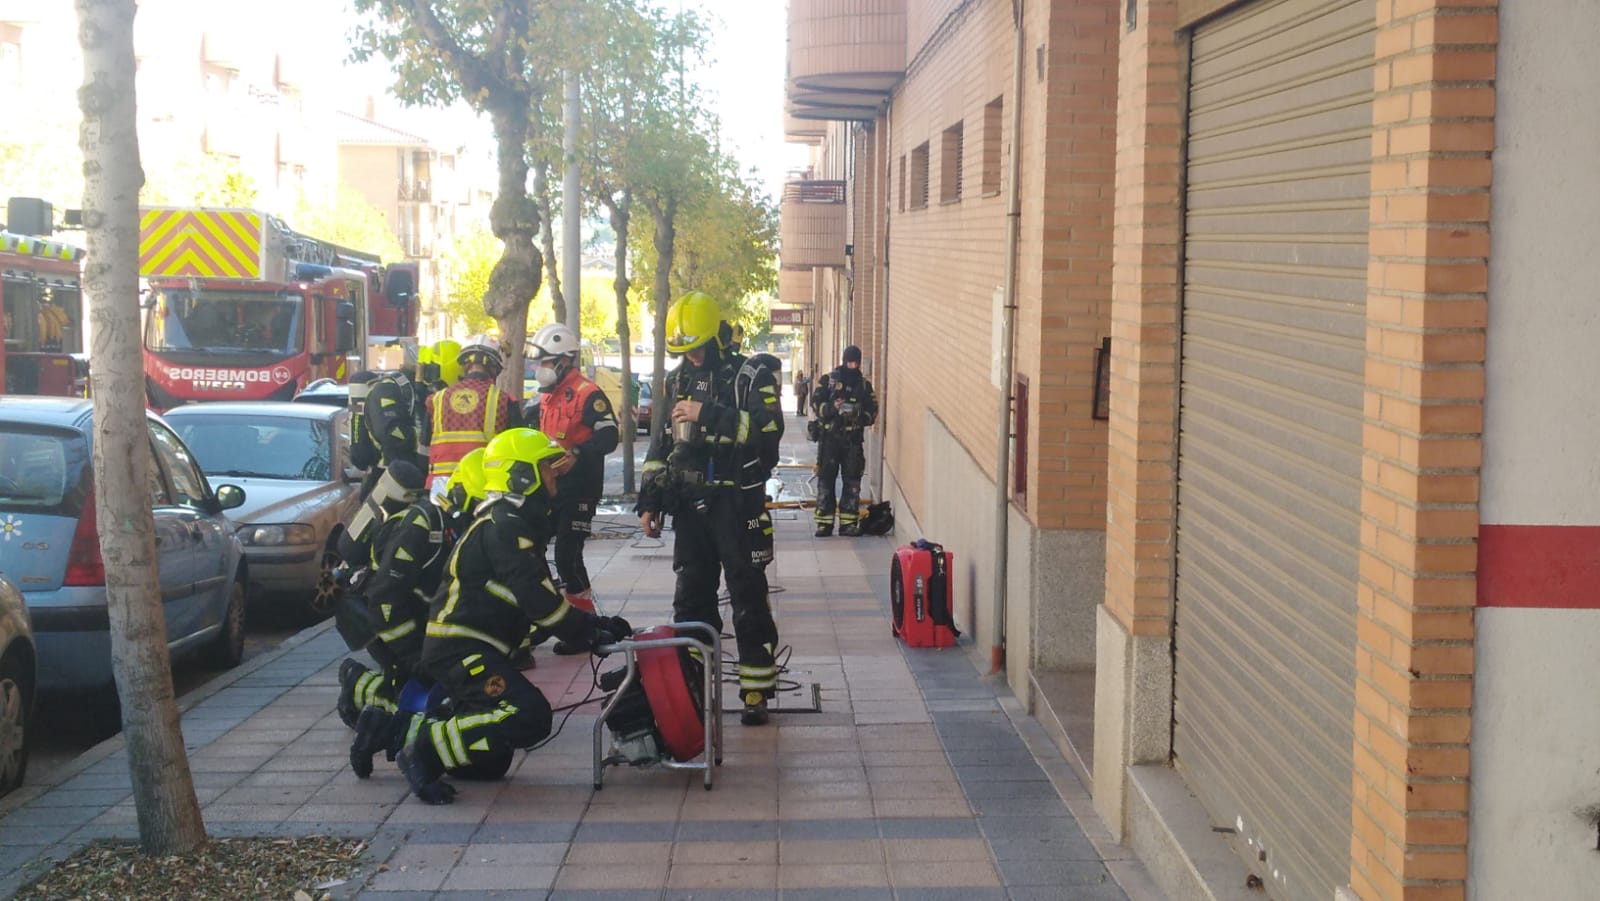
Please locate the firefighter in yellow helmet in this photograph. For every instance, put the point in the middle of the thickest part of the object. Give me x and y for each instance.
(469, 413)
(708, 470)
(496, 585)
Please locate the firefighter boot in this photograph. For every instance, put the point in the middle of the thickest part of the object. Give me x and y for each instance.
(374, 732)
(850, 530)
(755, 709)
(350, 671)
(824, 530)
(421, 766)
(583, 600)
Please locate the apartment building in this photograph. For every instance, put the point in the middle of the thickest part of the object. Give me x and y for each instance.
(1299, 515)
(426, 194)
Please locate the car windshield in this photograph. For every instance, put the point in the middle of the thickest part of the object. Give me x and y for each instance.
(41, 471)
(226, 321)
(238, 445)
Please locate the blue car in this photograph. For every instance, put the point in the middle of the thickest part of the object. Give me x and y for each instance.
(49, 547)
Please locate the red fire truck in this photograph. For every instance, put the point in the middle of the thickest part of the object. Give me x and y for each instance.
(41, 335)
(241, 307)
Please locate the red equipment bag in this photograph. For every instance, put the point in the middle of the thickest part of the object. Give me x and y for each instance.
(920, 589)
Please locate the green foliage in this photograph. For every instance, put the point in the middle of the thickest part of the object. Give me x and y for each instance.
(206, 179)
(468, 261)
(347, 219)
(40, 157)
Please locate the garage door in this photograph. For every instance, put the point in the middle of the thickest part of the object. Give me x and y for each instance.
(1275, 271)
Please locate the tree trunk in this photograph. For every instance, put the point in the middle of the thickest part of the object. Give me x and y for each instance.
(619, 226)
(547, 240)
(163, 789)
(665, 214)
(514, 218)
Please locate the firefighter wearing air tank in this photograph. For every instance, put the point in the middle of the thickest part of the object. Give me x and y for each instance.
(576, 414)
(496, 585)
(469, 413)
(846, 407)
(709, 471)
(408, 559)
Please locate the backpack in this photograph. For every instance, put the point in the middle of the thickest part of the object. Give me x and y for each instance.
(879, 519)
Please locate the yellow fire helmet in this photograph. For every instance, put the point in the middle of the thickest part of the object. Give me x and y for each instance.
(512, 459)
(465, 488)
(691, 322)
(445, 353)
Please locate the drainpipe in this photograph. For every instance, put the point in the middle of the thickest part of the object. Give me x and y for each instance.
(880, 368)
(1007, 324)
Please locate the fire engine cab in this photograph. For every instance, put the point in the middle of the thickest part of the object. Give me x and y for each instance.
(241, 307)
(41, 333)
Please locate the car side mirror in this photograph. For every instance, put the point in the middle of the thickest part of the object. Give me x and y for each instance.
(229, 497)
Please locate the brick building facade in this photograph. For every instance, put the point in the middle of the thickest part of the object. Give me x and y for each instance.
(1321, 586)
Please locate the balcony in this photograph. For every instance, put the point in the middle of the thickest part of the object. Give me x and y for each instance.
(811, 224)
(802, 131)
(845, 56)
(796, 287)
(416, 190)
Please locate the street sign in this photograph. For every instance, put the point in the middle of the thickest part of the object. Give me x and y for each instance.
(791, 316)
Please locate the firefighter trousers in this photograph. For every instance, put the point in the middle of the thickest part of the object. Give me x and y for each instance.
(839, 456)
(574, 522)
(494, 710)
(731, 538)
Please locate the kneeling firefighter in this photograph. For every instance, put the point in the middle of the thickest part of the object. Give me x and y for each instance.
(496, 584)
(709, 470)
(408, 558)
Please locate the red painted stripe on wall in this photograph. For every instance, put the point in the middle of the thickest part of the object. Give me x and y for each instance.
(1551, 567)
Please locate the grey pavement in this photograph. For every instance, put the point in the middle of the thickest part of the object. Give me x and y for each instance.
(916, 777)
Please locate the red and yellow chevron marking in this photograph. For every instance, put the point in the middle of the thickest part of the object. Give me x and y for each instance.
(200, 243)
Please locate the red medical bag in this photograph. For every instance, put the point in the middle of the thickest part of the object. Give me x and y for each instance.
(920, 582)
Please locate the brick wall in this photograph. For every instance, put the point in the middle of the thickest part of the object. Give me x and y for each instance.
(1141, 459)
(1426, 312)
(945, 260)
(1071, 226)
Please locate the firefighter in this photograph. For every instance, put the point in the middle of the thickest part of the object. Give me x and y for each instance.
(846, 407)
(577, 415)
(709, 471)
(408, 557)
(467, 414)
(496, 585)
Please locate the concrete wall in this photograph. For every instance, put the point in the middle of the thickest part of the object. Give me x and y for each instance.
(1536, 718)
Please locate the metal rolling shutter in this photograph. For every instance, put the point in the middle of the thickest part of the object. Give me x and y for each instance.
(1269, 491)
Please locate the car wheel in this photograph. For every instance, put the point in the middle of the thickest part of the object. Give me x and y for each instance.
(14, 716)
(227, 649)
(324, 598)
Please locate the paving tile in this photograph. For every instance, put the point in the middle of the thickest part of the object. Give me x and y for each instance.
(727, 831)
(428, 833)
(532, 854)
(938, 807)
(909, 850)
(829, 851)
(832, 876)
(1045, 847)
(613, 876)
(760, 877)
(719, 853)
(523, 879)
(1106, 892)
(417, 868)
(929, 828)
(1054, 872)
(496, 894)
(560, 894)
(837, 894)
(939, 873)
(721, 894)
(640, 853)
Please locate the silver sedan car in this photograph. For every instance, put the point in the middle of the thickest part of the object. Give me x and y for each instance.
(293, 462)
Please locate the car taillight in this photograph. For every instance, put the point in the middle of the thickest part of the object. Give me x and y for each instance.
(84, 565)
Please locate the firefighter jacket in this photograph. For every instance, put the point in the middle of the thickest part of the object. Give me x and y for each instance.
(740, 427)
(859, 409)
(577, 415)
(408, 558)
(390, 418)
(497, 583)
(462, 418)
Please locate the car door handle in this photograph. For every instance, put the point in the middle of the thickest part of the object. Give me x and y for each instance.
(197, 533)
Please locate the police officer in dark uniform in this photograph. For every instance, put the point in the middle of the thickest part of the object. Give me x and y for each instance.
(846, 407)
(709, 472)
(496, 584)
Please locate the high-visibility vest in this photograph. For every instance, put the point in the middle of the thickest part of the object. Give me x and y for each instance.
(561, 410)
(465, 416)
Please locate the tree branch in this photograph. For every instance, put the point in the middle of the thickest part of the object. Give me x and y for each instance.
(476, 74)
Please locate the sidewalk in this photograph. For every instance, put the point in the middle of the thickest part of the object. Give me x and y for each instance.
(917, 779)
